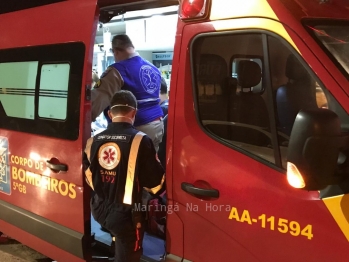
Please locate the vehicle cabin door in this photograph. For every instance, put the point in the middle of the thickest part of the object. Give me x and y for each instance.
(229, 190)
(45, 65)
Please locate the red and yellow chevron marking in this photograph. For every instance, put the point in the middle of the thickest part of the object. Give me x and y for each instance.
(339, 209)
(222, 9)
(251, 14)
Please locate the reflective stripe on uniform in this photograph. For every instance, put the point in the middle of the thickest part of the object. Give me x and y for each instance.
(88, 148)
(88, 174)
(88, 154)
(131, 169)
(147, 100)
(156, 189)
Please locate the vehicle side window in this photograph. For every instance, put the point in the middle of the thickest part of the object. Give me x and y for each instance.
(40, 89)
(295, 89)
(17, 94)
(235, 95)
(231, 99)
(53, 94)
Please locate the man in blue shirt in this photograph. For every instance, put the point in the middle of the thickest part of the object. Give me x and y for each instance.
(133, 73)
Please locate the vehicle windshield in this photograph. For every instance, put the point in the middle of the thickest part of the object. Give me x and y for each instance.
(335, 38)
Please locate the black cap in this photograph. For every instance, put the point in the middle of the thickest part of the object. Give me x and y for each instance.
(120, 98)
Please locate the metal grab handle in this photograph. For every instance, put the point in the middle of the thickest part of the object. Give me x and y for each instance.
(189, 188)
(56, 167)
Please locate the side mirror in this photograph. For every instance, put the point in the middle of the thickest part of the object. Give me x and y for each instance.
(314, 149)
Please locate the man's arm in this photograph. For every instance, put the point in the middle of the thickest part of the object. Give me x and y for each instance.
(87, 162)
(111, 81)
(151, 173)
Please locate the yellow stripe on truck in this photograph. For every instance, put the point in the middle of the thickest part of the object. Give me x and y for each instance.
(254, 23)
(339, 209)
(223, 9)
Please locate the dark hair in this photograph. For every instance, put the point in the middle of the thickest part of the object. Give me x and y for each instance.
(163, 87)
(123, 97)
(121, 42)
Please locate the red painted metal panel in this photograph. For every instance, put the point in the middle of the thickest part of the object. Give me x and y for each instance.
(50, 28)
(290, 13)
(250, 186)
(63, 200)
(311, 8)
(175, 226)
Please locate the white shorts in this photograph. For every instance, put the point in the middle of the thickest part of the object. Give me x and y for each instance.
(154, 130)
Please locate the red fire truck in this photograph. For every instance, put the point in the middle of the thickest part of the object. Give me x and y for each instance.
(257, 148)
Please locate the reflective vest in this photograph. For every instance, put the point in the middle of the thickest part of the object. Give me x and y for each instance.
(122, 161)
(143, 79)
(113, 166)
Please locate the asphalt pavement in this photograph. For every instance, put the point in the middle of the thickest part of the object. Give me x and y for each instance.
(13, 251)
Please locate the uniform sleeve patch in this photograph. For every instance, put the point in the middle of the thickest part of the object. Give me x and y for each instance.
(109, 155)
(98, 83)
(106, 72)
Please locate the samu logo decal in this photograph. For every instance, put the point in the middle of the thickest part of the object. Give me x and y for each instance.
(149, 78)
(5, 178)
(109, 155)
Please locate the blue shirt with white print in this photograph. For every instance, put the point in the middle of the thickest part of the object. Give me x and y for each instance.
(143, 79)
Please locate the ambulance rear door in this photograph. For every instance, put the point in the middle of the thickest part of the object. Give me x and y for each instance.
(45, 68)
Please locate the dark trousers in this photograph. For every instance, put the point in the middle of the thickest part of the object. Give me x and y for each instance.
(128, 244)
(121, 223)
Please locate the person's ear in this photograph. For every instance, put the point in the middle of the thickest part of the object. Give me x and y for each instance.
(110, 115)
(134, 112)
(115, 52)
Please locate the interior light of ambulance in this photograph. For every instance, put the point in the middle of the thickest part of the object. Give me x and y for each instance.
(192, 9)
(294, 177)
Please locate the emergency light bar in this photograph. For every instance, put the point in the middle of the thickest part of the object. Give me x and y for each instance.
(193, 9)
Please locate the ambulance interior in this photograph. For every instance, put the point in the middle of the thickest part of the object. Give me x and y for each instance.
(152, 32)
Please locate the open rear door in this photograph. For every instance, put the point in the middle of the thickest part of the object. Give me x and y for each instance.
(45, 59)
(46, 51)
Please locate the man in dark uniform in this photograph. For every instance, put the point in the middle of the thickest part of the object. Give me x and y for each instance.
(119, 162)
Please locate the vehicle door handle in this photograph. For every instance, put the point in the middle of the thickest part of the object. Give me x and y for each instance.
(56, 167)
(189, 188)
